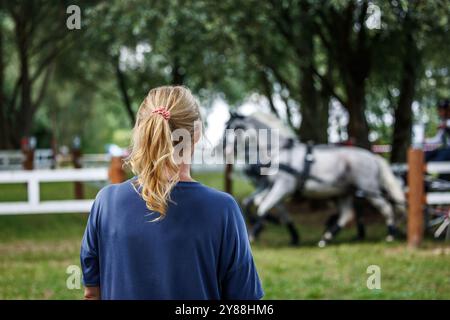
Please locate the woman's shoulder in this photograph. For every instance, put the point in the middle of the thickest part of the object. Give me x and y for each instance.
(222, 203)
(207, 199)
(217, 196)
(113, 190)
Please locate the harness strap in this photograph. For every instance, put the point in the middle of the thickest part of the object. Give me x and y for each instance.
(305, 174)
(289, 169)
(307, 163)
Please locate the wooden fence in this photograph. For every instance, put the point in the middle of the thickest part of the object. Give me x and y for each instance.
(417, 197)
(33, 178)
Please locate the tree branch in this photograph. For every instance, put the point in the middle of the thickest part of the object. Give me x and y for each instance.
(267, 86)
(329, 87)
(121, 82)
(42, 90)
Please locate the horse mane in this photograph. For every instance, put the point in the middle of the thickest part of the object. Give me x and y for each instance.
(273, 122)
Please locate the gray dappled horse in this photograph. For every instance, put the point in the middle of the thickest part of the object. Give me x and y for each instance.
(320, 172)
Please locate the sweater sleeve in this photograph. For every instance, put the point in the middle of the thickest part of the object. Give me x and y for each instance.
(240, 280)
(89, 256)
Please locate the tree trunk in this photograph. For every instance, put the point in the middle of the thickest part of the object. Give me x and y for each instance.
(310, 128)
(357, 128)
(313, 127)
(121, 83)
(18, 111)
(22, 127)
(4, 135)
(308, 95)
(314, 110)
(349, 50)
(323, 118)
(268, 92)
(177, 75)
(403, 113)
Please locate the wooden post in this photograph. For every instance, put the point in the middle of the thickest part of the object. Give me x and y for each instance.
(54, 153)
(76, 160)
(416, 197)
(228, 178)
(116, 171)
(28, 152)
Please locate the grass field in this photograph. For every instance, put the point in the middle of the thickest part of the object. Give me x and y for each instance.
(36, 250)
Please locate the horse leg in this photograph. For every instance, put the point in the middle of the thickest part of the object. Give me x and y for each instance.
(345, 215)
(247, 205)
(331, 220)
(385, 208)
(273, 218)
(286, 219)
(274, 195)
(361, 229)
(257, 222)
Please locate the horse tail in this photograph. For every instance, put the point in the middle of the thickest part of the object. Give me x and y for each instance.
(391, 185)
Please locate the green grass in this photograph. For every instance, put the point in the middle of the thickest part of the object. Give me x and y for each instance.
(35, 251)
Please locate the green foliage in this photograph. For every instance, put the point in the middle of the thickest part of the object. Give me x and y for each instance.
(229, 49)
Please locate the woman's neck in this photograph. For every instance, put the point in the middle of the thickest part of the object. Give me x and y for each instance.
(185, 172)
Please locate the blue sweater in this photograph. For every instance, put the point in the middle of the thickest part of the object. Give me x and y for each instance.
(200, 250)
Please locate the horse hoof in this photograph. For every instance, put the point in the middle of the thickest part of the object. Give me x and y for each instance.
(390, 238)
(327, 236)
(322, 244)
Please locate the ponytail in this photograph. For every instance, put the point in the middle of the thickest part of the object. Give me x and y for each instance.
(152, 154)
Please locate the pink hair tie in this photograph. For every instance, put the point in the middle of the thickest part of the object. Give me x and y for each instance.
(162, 112)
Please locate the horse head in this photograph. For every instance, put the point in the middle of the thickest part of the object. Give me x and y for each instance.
(236, 121)
(238, 128)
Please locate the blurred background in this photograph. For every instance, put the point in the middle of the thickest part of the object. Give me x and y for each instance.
(354, 72)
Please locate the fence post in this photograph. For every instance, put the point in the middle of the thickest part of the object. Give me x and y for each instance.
(54, 153)
(416, 196)
(228, 178)
(28, 152)
(76, 161)
(116, 172)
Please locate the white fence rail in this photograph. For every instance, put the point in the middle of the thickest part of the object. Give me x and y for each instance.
(437, 198)
(11, 160)
(43, 159)
(95, 160)
(432, 198)
(438, 167)
(35, 177)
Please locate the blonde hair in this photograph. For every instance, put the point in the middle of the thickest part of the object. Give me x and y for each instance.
(152, 154)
